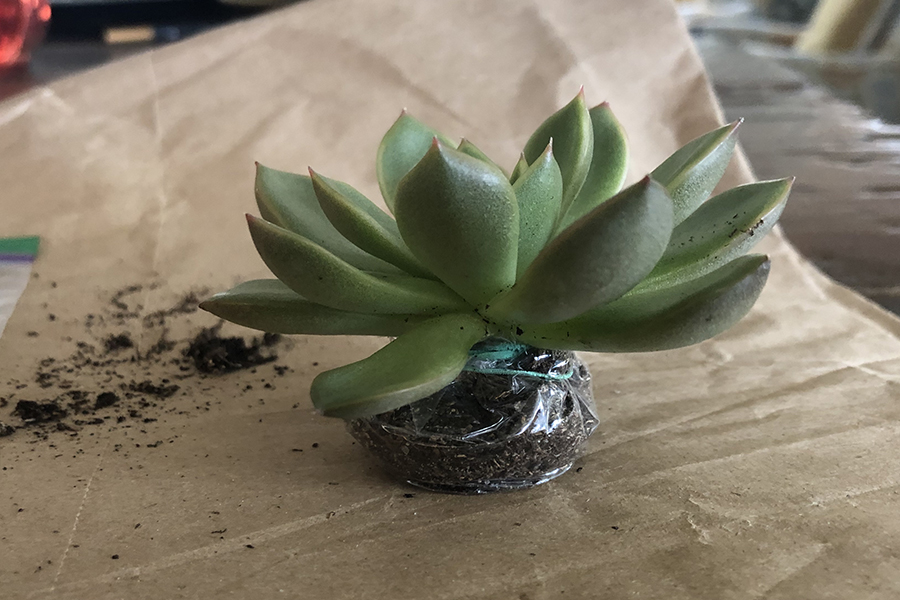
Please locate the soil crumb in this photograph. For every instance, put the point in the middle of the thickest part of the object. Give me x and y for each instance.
(211, 353)
(105, 400)
(38, 412)
(114, 343)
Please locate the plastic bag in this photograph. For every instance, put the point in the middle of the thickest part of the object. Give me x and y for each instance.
(516, 417)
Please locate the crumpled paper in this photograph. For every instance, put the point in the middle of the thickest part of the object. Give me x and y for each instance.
(760, 464)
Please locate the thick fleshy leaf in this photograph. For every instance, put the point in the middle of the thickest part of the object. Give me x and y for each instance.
(573, 143)
(663, 319)
(269, 305)
(691, 173)
(467, 147)
(288, 200)
(609, 165)
(520, 168)
(722, 229)
(402, 147)
(364, 224)
(323, 278)
(415, 365)
(460, 219)
(539, 194)
(596, 260)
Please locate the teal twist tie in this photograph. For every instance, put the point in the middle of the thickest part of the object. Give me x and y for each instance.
(505, 351)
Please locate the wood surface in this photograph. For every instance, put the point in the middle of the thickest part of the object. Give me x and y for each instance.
(844, 211)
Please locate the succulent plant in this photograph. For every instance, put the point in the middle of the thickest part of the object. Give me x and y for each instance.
(556, 255)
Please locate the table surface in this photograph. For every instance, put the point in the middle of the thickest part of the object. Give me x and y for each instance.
(844, 210)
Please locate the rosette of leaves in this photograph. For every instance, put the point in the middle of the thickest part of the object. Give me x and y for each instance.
(554, 255)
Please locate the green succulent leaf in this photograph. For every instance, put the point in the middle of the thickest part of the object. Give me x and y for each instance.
(402, 147)
(467, 147)
(325, 279)
(288, 200)
(596, 260)
(663, 319)
(609, 165)
(691, 173)
(269, 305)
(539, 193)
(459, 217)
(723, 228)
(364, 224)
(519, 169)
(415, 365)
(573, 143)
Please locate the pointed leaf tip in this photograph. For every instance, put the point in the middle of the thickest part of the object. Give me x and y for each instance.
(690, 174)
(538, 191)
(573, 145)
(459, 217)
(608, 165)
(401, 148)
(467, 147)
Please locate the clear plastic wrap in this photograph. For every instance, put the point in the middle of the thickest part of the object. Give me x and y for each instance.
(516, 417)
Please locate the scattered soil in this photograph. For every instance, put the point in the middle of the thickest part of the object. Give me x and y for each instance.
(211, 353)
(112, 375)
(105, 400)
(151, 389)
(118, 342)
(488, 432)
(38, 412)
(185, 306)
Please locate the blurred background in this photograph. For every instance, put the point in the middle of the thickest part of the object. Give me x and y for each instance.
(817, 82)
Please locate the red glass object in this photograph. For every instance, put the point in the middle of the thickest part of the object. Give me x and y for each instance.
(22, 27)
